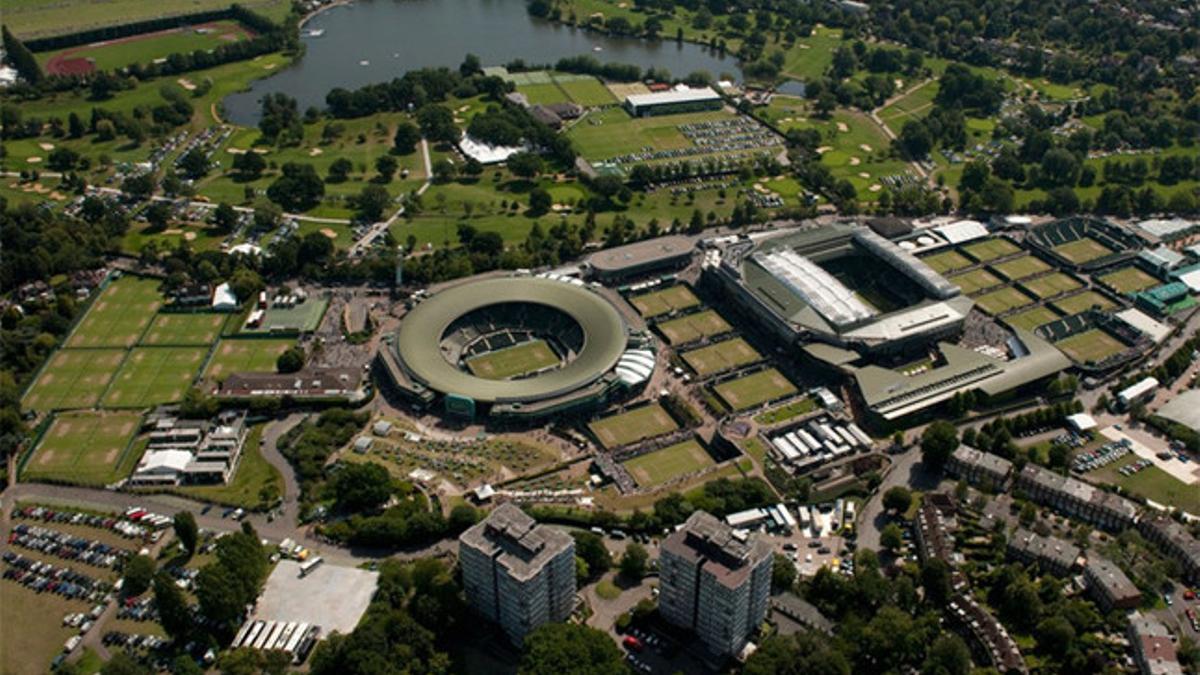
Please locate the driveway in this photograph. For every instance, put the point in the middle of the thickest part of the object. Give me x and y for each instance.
(908, 470)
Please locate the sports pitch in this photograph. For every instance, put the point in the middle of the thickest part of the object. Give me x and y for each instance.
(1051, 285)
(947, 261)
(664, 301)
(90, 448)
(1092, 345)
(304, 317)
(692, 327)
(1002, 300)
(514, 361)
(633, 426)
(74, 378)
(1021, 268)
(991, 249)
(547, 88)
(119, 316)
(144, 48)
(661, 466)
(1031, 318)
(1082, 250)
(974, 281)
(154, 375)
(246, 356)
(1129, 280)
(1081, 302)
(720, 357)
(752, 390)
(184, 329)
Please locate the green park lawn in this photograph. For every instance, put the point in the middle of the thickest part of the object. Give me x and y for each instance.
(145, 49)
(811, 56)
(1152, 483)
(36, 18)
(612, 132)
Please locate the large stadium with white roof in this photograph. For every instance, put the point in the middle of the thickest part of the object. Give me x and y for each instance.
(516, 347)
(841, 285)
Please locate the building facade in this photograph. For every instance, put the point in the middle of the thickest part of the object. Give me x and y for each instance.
(516, 573)
(1109, 585)
(715, 582)
(1076, 499)
(980, 468)
(1176, 541)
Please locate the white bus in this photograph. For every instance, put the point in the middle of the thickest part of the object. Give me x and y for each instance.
(311, 565)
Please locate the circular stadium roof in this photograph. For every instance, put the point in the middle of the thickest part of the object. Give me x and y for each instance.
(418, 340)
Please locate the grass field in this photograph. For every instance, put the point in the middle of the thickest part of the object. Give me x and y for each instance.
(1031, 318)
(991, 249)
(661, 466)
(1082, 250)
(303, 317)
(29, 18)
(514, 361)
(664, 301)
(143, 49)
(692, 327)
(248, 355)
(1152, 483)
(947, 261)
(33, 628)
(184, 329)
(587, 91)
(1002, 300)
(154, 375)
(87, 448)
(120, 315)
(74, 378)
(633, 426)
(752, 390)
(786, 412)
(543, 93)
(1021, 268)
(721, 356)
(1128, 280)
(1090, 346)
(975, 280)
(1051, 285)
(612, 132)
(1081, 302)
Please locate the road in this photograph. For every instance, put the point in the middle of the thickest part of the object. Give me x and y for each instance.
(907, 470)
(375, 231)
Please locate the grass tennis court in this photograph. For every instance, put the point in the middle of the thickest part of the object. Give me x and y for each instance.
(74, 378)
(752, 390)
(1081, 302)
(975, 280)
(88, 448)
(1092, 345)
(587, 91)
(664, 301)
(543, 93)
(184, 329)
(1051, 285)
(154, 375)
(304, 317)
(1083, 250)
(1002, 300)
(633, 426)
(721, 356)
(692, 327)
(1031, 318)
(947, 261)
(1021, 268)
(246, 356)
(514, 361)
(1129, 280)
(661, 466)
(120, 315)
(991, 249)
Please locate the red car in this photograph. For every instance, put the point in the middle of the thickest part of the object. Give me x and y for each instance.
(1189, 595)
(632, 643)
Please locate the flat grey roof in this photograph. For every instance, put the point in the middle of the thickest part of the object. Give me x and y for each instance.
(1183, 409)
(641, 253)
(516, 541)
(418, 340)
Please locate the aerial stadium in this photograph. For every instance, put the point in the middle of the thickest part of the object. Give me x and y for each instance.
(840, 285)
(519, 347)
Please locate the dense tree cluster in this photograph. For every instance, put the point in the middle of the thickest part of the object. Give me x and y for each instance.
(310, 443)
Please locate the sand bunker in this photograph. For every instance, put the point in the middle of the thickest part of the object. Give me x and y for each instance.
(189, 236)
(841, 126)
(172, 230)
(186, 84)
(875, 188)
(34, 160)
(864, 147)
(269, 66)
(315, 151)
(863, 174)
(824, 149)
(329, 233)
(854, 161)
(46, 146)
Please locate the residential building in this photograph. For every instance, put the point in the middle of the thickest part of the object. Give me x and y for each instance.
(715, 581)
(1109, 585)
(517, 573)
(1175, 540)
(989, 639)
(1153, 647)
(1054, 555)
(980, 468)
(1076, 498)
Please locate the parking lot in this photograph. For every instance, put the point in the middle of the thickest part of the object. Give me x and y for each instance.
(1150, 447)
(331, 597)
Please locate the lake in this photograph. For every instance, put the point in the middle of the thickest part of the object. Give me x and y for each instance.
(373, 41)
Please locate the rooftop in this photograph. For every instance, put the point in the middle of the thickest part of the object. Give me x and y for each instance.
(729, 556)
(673, 96)
(1184, 409)
(640, 253)
(985, 460)
(516, 541)
(1106, 573)
(1046, 548)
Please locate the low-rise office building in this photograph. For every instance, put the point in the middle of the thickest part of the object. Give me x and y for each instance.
(1075, 498)
(1109, 585)
(192, 451)
(980, 468)
(715, 582)
(517, 573)
(1054, 555)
